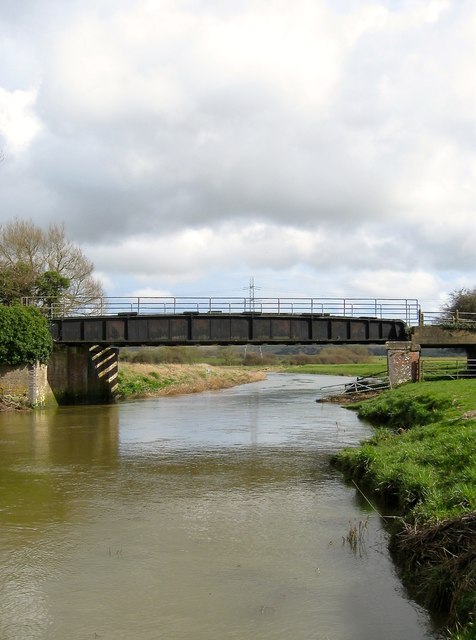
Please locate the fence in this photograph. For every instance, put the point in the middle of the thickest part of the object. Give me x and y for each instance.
(457, 319)
(447, 369)
(362, 384)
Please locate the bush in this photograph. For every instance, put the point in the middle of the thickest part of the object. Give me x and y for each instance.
(24, 336)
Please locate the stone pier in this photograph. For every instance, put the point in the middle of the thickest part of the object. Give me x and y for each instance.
(403, 362)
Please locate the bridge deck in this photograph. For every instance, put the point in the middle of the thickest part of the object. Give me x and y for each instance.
(225, 329)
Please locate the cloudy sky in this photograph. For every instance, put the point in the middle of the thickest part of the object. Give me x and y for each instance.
(323, 147)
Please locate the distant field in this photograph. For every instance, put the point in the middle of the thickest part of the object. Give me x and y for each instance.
(432, 368)
(376, 367)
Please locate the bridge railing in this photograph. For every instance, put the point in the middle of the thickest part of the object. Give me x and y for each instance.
(382, 308)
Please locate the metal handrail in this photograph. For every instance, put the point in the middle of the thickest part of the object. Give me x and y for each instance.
(381, 308)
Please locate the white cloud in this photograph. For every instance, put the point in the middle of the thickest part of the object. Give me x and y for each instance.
(18, 122)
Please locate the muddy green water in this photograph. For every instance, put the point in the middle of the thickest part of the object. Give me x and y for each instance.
(200, 517)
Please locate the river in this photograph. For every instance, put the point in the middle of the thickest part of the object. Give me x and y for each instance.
(199, 517)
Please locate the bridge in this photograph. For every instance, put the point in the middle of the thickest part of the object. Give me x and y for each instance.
(224, 321)
(88, 335)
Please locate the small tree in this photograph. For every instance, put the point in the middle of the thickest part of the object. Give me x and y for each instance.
(16, 282)
(49, 286)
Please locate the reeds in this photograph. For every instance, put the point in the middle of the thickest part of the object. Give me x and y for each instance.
(356, 536)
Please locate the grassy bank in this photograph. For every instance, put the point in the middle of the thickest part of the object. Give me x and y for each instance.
(422, 462)
(149, 380)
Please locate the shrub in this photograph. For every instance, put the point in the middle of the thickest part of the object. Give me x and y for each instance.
(24, 336)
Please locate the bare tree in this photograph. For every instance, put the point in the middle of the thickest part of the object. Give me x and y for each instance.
(24, 243)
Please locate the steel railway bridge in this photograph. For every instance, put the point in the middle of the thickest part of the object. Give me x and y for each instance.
(199, 321)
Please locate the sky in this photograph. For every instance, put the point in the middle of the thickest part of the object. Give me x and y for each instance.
(320, 147)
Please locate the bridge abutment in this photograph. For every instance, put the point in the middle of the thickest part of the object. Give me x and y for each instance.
(403, 362)
(83, 374)
(25, 383)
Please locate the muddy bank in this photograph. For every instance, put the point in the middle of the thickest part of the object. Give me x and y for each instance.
(349, 398)
(438, 565)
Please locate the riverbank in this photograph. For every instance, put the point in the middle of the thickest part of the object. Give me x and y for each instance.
(421, 463)
(151, 380)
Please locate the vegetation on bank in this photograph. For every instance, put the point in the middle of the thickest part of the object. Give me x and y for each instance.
(422, 462)
(148, 380)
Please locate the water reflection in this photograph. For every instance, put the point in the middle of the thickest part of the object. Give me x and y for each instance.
(209, 516)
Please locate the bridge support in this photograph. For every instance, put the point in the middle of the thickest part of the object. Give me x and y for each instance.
(403, 362)
(83, 375)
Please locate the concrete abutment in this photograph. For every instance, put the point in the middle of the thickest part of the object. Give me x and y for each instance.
(83, 374)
